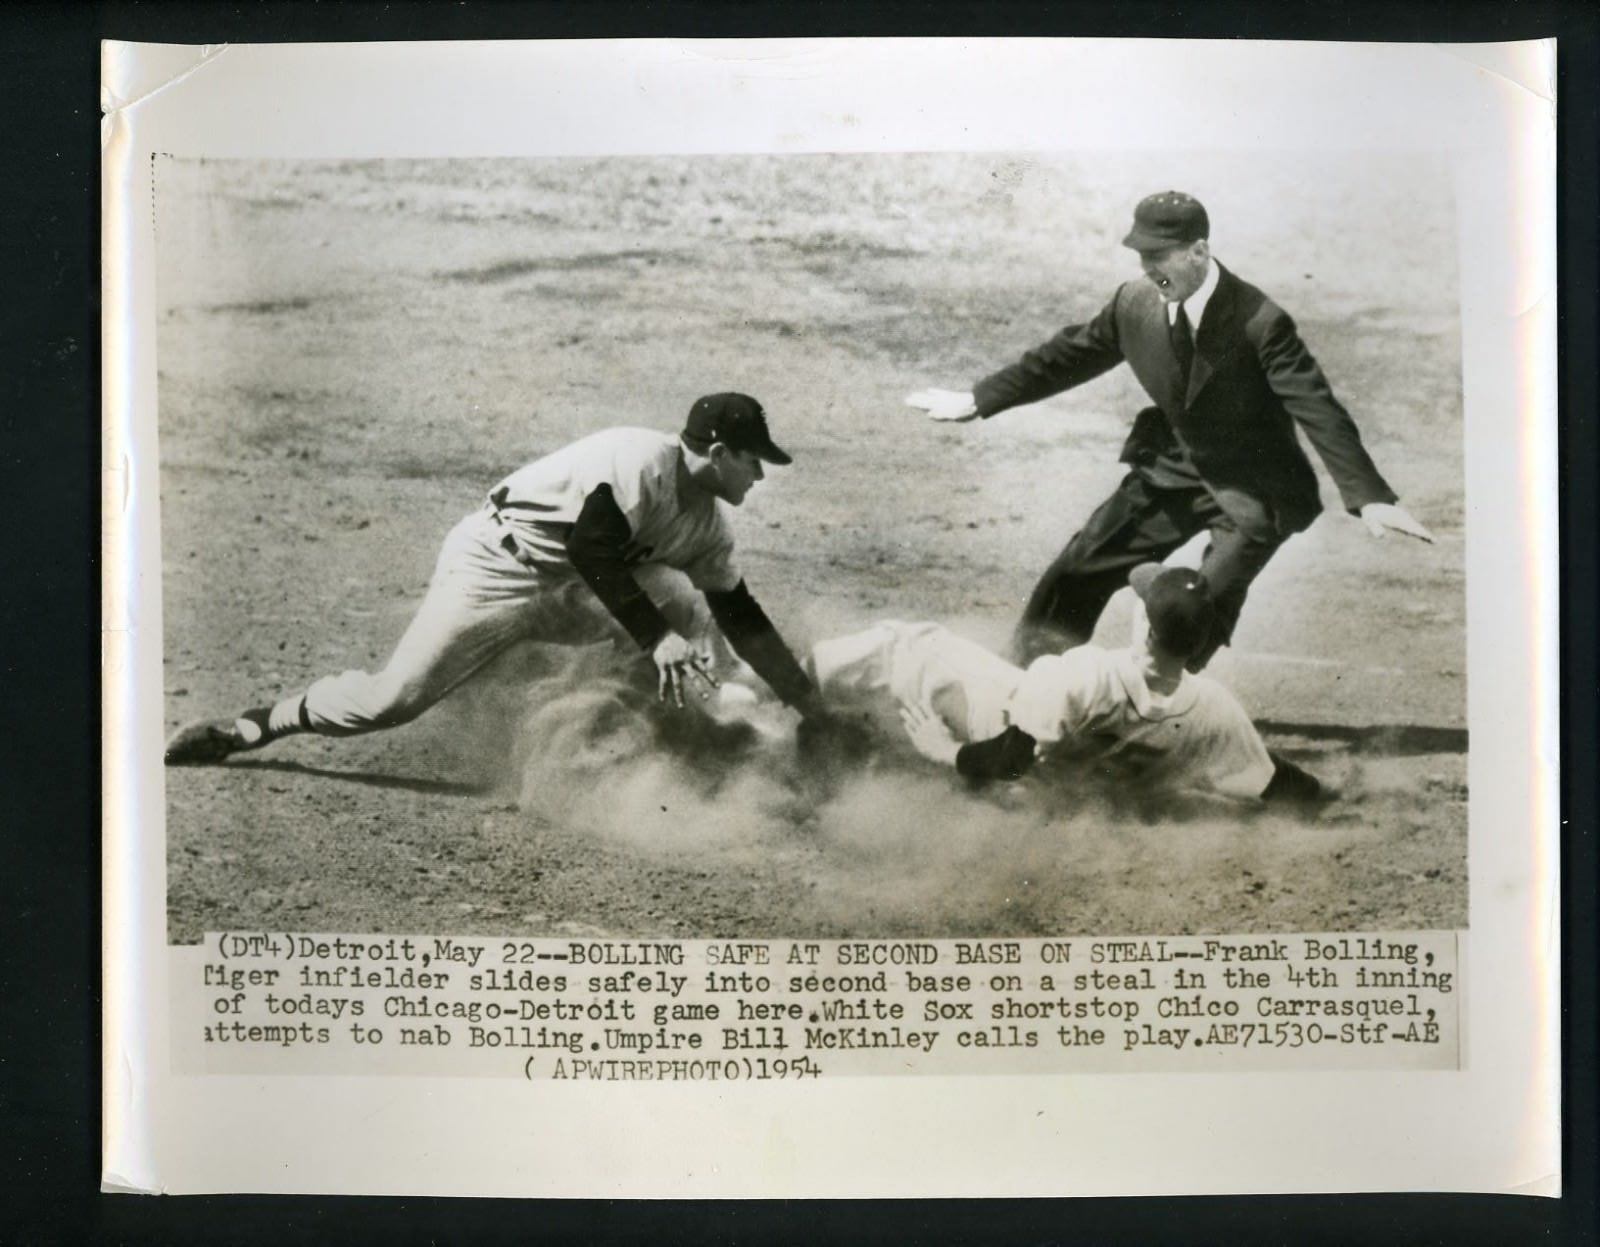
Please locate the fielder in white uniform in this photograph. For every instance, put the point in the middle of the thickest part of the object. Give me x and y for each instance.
(1137, 709)
(622, 534)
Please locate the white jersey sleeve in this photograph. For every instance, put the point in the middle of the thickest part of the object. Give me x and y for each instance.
(542, 502)
(697, 539)
(637, 468)
(1061, 694)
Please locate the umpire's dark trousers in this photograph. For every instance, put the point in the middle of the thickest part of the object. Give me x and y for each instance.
(1141, 523)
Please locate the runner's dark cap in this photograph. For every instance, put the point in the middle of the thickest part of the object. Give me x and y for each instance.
(1178, 602)
(735, 420)
(1167, 219)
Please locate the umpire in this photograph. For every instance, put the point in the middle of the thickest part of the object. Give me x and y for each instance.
(1230, 380)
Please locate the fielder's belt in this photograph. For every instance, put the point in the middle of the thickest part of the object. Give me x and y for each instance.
(509, 541)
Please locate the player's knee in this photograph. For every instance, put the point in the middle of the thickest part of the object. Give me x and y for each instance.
(395, 702)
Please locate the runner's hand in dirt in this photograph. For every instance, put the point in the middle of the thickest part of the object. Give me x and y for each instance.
(929, 733)
(951, 405)
(676, 660)
(1380, 517)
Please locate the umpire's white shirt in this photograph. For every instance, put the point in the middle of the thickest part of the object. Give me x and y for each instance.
(1194, 306)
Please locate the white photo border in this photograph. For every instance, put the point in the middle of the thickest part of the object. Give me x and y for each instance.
(1489, 1127)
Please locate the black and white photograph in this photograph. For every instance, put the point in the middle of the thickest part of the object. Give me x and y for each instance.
(715, 546)
(692, 564)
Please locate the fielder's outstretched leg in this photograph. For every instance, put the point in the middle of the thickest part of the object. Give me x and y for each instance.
(479, 601)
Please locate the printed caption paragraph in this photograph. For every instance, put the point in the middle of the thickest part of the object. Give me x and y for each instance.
(637, 1010)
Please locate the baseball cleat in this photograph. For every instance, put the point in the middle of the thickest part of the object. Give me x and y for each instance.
(200, 743)
(213, 740)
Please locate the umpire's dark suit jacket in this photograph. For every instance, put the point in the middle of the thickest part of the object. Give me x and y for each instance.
(1251, 382)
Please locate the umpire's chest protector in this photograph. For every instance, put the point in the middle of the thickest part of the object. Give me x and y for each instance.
(1235, 425)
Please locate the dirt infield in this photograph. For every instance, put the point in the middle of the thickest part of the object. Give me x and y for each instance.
(350, 354)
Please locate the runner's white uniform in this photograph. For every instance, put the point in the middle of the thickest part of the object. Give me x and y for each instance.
(1085, 703)
(488, 593)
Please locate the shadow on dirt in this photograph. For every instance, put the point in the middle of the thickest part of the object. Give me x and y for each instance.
(404, 783)
(1391, 739)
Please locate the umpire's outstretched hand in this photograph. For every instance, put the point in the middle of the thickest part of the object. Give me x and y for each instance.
(952, 405)
(1381, 517)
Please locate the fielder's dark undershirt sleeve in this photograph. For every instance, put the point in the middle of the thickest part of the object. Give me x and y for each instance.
(1009, 755)
(1290, 783)
(756, 641)
(597, 547)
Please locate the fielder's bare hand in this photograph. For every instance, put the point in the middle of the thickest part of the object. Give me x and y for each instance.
(929, 733)
(1380, 517)
(945, 405)
(676, 661)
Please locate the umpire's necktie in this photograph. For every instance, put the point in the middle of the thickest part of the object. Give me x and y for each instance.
(1183, 344)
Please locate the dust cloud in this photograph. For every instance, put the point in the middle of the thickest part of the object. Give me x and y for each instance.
(890, 843)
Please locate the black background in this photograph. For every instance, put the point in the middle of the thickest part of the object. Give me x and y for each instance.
(49, 647)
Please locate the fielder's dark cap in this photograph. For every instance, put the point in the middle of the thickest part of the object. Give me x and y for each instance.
(1178, 602)
(735, 420)
(1167, 219)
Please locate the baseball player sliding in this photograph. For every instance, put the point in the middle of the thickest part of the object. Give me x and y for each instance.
(1137, 708)
(622, 533)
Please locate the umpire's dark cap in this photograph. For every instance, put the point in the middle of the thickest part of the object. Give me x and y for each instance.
(1167, 219)
(735, 420)
(1178, 603)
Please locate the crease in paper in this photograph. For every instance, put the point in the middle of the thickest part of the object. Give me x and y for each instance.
(161, 67)
(1530, 67)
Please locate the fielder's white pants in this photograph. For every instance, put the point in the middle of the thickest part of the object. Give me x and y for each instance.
(480, 601)
(925, 664)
